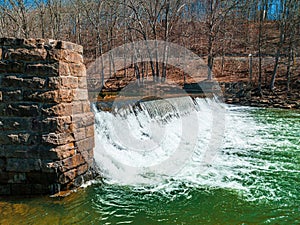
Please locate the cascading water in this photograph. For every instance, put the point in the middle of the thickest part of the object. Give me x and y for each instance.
(151, 141)
(212, 143)
(237, 168)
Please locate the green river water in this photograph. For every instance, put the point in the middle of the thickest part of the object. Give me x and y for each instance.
(255, 180)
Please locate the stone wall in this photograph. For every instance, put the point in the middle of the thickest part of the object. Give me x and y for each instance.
(47, 128)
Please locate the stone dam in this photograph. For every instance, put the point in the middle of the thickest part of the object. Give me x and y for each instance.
(46, 124)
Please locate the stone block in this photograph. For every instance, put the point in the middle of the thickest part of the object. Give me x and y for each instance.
(40, 69)
(56, 124)
(72, 57)
(69, 46)
(54, 83)
(39, 42)
(81, 94)
(40, 152)
(57, 139)
(27, 55)
(86, 107)
(35, 82)
(65, 95)
(82, 82)
(10, 41)
(14, 123)
(67, 176)
(18, 81)
(77, 69)
(50, 44)
(64, 69)
(19, 138)
(65, 56)
(64, 151)
(23, 165)
(64, 45)
(67, 82)
(71, 162)
(41, 96)
(12, 81)
(11, 95)
(88, 155)
(77, 107)
(19, 109)
(17, 151)
(79, 133)
(22, 43)
(85, 144)
(82, 169)
(62, 109)
(12, 67)
(89, 131)
(83, 120)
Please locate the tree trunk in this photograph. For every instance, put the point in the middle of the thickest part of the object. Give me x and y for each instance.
(210, 59)
(288, 70)
(282, 26)
(261, 21)
(250, 69)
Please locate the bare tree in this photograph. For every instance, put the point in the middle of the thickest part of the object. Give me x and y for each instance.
(215, 13)
(54, 9)
(171, 15)
(17, 13)
(282, 20)
(292, 25)
(41, 8)
(260, 42)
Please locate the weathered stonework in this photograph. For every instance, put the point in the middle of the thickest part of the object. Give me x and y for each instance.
(47, 128)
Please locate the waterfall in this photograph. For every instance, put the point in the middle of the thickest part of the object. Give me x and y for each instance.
(160, 109)
(165, 145)
(150, 141)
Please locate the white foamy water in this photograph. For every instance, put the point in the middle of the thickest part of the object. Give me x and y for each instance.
(200, 142)
(154, 141)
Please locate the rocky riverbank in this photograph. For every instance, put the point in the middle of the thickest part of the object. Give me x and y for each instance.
(241, 93)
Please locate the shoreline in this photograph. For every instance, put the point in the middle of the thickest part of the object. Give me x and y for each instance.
(236, 93)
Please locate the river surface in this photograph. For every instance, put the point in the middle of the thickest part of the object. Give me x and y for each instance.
(239, 165)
